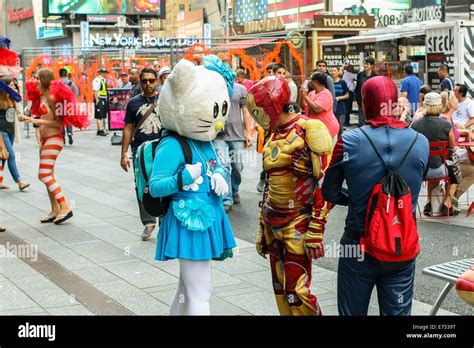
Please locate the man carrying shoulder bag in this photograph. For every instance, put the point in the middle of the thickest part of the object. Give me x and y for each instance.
(142, 124)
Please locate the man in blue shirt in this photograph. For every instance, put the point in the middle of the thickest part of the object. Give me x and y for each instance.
(447, 84)
(410, 88)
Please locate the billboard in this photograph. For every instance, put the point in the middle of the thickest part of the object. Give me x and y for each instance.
(425, 3)
(439, 50)
(117, 101)
(43, 31)
(107, 7)
(371, 7)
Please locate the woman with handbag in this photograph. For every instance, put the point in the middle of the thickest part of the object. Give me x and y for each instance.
(450, 104)
(8, 118)
(436, 129)
(9, 99)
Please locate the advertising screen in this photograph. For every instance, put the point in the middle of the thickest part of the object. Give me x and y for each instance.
(425, 3)
(371, 7)
(118, 99)
(45, 31)
(112, 7)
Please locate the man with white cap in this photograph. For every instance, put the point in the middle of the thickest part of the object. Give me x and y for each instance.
(162, 75)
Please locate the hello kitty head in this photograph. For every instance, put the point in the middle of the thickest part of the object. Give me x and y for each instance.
(194, 100)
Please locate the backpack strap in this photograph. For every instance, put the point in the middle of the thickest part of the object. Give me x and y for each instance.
(408, 151)
(142, 163)
(188, 154)
(376, 151)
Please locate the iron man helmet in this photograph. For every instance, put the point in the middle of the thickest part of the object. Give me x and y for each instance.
(266, 100)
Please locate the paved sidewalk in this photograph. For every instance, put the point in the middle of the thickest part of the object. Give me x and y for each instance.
(97, 263)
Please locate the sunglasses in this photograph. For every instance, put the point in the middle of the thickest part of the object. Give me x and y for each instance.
(150, 81)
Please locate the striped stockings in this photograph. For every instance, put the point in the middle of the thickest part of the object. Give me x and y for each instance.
(52, 146)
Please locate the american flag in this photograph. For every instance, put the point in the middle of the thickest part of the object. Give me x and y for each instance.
(290, 11)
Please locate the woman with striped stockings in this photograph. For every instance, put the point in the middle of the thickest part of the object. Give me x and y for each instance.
(51, 126)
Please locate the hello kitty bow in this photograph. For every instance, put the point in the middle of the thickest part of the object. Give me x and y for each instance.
(214, 63)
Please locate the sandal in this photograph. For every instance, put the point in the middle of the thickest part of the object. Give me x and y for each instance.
(48, 218)
(63, 217)
(2, 228)
(428, 210)
(4, 187)
(445, 211)
(25, 186)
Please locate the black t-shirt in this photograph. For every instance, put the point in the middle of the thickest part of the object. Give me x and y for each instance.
(434, 129)
(7, 120)
(361, 79)
(150, 129)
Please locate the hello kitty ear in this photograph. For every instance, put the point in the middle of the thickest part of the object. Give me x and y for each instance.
(180, 77)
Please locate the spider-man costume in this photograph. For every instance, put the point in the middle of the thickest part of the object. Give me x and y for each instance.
(293, 213)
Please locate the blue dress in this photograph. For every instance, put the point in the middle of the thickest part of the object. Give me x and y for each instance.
(195, 226)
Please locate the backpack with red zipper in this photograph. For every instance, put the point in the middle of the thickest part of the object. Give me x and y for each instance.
(390, 235)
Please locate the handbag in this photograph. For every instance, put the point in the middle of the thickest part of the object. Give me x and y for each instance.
(455, 165)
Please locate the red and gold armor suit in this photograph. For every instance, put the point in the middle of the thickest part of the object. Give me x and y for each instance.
(294, 212)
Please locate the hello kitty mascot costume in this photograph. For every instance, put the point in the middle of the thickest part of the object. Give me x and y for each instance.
(194, 102)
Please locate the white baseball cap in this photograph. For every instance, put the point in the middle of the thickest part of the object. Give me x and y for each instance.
(164, 70)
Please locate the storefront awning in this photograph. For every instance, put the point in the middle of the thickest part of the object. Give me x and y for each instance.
(372, 38)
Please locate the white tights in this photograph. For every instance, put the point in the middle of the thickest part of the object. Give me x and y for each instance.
(194, 289)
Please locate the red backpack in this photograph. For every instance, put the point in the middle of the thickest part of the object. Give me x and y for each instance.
(390, 235)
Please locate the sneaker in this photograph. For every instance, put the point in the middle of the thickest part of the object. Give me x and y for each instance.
(261, 186)
(98, 132)
(227, 208)
(236, 199)
(70, 139)
(146, 235)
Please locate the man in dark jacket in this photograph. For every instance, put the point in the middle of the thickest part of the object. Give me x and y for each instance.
(355, 161)
(362, 77)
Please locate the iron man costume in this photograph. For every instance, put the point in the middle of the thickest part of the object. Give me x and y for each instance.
(293, 213)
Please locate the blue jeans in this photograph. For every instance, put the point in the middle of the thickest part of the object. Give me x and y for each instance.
(230, 155)
(8, 139)
(356, 279)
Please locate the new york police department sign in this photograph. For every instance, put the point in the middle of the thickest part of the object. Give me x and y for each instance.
(146, 41)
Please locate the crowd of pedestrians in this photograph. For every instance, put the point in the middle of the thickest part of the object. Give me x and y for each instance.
(308, 155)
